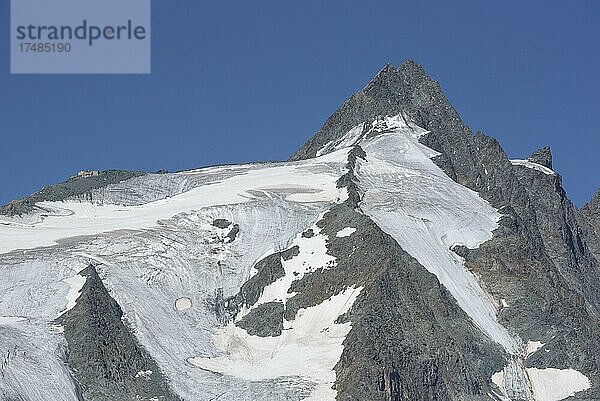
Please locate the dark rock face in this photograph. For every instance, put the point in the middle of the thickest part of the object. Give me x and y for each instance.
(221, 223)
(72, 188)
(349, 179)
(308, 233)
(589, 220)
(266, 320)
(219, 306)
(268, 269)
(537, 262)
(232, 234)
(563, 238)
(541, 304)
(571, 302)
(290, 253)
(105, 357)
(409, 339)
(542, 156)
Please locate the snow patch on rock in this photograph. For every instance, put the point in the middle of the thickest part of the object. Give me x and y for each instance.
(75, 285)
(532, 347)
(143, 374)
(533, 166)
(345, 232)
(556, 384)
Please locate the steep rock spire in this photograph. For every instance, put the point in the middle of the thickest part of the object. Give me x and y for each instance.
(542, 157)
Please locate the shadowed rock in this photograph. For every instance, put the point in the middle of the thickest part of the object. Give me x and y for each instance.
(232, 234)
(589, 221)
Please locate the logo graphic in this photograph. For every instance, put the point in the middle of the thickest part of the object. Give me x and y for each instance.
(80, 36)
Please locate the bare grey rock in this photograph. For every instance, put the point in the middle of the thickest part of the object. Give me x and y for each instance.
(308, 233)
(221, 223)
(266, 320)
(290, 253)
(268, 269)
(103, 354)
(542, 157)
(589, 220)
(232, 234)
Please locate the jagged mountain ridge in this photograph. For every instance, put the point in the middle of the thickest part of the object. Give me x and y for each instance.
(397, 257)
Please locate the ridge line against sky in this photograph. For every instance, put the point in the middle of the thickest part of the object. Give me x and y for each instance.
(242, 82)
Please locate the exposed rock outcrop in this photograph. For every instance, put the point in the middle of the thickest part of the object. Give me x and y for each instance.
(104, 356)
(542, 157)
(74, 187)
(589, 220)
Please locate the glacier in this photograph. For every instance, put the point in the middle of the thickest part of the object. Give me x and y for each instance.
(154, 243)
(151, 255)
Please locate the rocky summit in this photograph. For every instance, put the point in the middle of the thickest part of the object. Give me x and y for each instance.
(396, 256)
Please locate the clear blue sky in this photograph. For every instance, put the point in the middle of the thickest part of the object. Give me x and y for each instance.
(252, 80)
